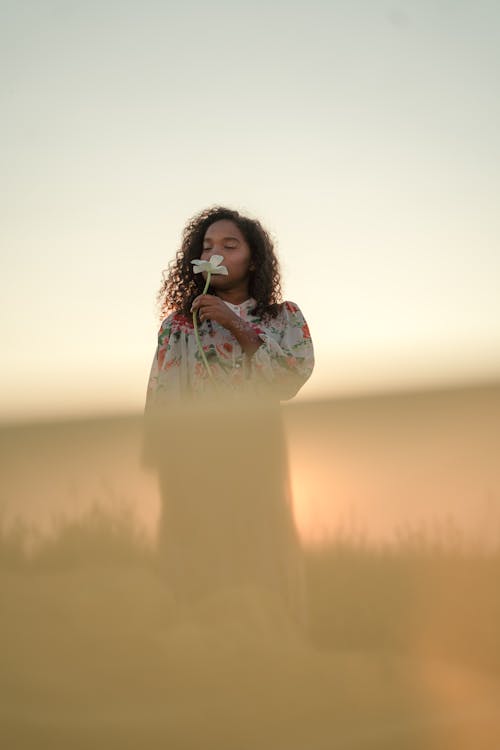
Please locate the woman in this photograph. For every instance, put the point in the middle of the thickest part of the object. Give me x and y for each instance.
(213, 426)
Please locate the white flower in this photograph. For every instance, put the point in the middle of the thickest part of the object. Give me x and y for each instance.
(211, 265)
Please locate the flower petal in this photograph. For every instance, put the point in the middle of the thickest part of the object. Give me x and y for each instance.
(211, 265)
(201, 265)
(220, 269)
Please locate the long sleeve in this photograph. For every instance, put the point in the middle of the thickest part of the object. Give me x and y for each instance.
(152, 383)
(148, 432)
(169, 374)
(285, 360)
(158, 386)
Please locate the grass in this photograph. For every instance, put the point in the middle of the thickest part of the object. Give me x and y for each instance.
(95, 646)
(428, 589)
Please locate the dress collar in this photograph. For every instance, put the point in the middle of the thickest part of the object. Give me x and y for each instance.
(246, 305)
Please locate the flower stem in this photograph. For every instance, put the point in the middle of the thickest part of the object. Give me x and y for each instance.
(195, 324)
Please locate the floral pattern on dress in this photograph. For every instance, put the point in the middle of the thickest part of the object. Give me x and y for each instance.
(280, 366)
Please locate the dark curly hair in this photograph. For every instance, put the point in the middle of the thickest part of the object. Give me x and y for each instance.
(181, 285)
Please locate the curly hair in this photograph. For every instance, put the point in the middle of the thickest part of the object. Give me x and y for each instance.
(181, 285)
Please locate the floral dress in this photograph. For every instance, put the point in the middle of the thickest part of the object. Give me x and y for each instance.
(280, 366)
(226, 516)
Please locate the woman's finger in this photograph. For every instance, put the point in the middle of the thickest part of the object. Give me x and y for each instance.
(199, 300)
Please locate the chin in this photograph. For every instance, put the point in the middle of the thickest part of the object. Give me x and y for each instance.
(219, 283)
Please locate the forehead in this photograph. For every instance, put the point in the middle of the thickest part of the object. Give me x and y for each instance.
(223, 228)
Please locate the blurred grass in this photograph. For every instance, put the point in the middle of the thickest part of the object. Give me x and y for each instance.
(95, 651)
(98, 537)
(429, 592)
(434, 597)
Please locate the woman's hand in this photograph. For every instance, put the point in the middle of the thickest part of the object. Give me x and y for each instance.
(211, 307)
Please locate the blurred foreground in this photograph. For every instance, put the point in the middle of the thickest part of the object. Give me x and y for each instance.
(99, 651)
(403, 651)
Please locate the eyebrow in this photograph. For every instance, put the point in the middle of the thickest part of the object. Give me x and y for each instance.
(209, 239)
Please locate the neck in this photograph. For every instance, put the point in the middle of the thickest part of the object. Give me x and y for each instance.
(234, 296)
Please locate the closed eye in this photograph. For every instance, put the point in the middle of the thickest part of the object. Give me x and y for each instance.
(227, 247)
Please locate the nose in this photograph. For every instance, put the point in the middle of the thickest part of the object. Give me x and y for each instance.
(209, 253)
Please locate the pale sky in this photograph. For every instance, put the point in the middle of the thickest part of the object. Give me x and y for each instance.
(364, 135)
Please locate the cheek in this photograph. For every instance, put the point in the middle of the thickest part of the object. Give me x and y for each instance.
(244, 263)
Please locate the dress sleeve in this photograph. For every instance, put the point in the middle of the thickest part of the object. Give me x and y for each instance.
(163, 348)
(156, 386)
(152, 383)
(285, 359)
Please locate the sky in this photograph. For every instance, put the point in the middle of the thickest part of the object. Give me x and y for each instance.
(364, 135)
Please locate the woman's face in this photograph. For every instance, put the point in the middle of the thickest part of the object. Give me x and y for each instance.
(224, 237)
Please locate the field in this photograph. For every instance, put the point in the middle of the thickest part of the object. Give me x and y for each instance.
(402, 648)
(402, 651)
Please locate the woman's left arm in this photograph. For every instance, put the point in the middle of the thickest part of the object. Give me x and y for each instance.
(285, 358)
